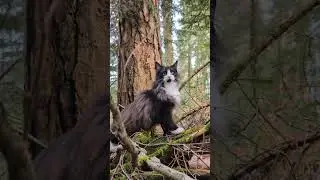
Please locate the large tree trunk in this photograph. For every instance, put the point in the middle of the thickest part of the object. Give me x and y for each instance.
(81, 153)
(167, 28)
(139, 47)
(65, 66)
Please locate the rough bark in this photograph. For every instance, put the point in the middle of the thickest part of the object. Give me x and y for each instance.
(45, 107)
(65, 63)
(166, 6)
(139, 47)
(90, 73)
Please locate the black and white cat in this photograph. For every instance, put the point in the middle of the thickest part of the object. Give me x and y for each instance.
(154, 106)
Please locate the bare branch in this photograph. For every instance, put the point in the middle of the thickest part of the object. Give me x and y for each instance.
(30, 137)
(271, 154)
(121, 133)
(11, 66)
(192, 75)
(193, 111)
(139, 153)
(260, 47)
(156, 165)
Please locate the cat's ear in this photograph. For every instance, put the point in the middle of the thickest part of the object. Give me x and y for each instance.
(158, 66)
(175, 65)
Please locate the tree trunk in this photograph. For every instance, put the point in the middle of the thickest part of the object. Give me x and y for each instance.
(67, 48)
(167, 27)
(253, 14)
(189, 65)
(82, 152)
(139, 47)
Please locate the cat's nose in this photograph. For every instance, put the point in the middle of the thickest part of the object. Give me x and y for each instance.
(169, 80)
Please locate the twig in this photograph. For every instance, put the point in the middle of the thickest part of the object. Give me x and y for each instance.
(137, 152)
(260, 47)
(193, 111)
(260, 113)
(269, 155)
(30, 137)
(120, 161)
(192, 75)
(9, 69)
(197, 156)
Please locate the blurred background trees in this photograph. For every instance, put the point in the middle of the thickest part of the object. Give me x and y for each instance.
(273, 104)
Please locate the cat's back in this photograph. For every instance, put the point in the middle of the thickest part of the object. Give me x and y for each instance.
(142, 103)
(136, 115)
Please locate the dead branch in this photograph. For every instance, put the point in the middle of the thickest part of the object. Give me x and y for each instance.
(259, 112)
(120, 132)
(14, 150)
(193, 111)
(260, 47)
(139, 153)
(156, 165)
(192, 75)
(31, 138)
(269, 155)
(11, 66)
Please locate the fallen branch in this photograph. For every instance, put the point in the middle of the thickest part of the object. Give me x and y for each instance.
(155, 164)
(138, 154)
(260, 47)
(192, 75)
(271, 154)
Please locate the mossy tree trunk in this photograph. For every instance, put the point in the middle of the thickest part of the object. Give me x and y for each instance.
(139, 47)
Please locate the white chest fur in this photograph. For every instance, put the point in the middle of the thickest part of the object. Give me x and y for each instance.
(172, 89)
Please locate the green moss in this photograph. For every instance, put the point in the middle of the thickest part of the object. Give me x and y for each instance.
(144, 137)
(142, 159)
(182, 138)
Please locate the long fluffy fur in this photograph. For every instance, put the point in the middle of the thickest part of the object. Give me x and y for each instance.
(154, 106)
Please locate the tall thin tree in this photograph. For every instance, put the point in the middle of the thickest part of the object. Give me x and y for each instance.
(167, 12)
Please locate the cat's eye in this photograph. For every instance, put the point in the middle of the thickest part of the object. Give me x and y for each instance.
(164, 73)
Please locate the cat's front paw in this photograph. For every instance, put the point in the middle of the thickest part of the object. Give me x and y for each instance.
(177, 131)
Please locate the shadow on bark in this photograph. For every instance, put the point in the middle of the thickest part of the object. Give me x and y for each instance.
(82, 152)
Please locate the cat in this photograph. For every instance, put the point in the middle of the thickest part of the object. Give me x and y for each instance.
(153, 106)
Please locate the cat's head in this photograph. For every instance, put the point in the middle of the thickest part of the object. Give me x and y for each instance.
(167, 74)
